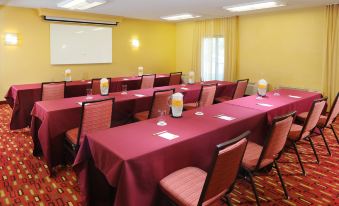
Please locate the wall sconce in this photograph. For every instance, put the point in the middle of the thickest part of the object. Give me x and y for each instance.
(11, 39)
(135, 43)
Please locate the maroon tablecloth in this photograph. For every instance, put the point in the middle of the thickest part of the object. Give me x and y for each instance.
(22, 97)
(282, 102)
(51, 119)
(133, 160)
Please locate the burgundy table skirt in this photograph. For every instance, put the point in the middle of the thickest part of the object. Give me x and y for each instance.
(123, 165)
(51, 119)
(133, 160)
(22, 97)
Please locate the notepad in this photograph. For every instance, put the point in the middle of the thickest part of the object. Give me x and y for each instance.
(184, 88)
(168, 135)
(265, 105)
(124, 79)
(225, 117)
(296, 97)
(139, 95)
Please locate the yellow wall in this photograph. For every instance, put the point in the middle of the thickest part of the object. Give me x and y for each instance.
(30, 60)
(285, 48)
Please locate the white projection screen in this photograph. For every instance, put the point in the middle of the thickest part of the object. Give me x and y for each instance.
(72, 44)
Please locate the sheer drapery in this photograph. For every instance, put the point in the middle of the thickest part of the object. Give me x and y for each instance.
(211, 30)
(331, 65)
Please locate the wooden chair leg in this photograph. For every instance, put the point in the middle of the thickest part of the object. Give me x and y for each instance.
(299, 159)
(335, 134)
(253, 186)
(281, 179)
(314, 151)
(326, 144)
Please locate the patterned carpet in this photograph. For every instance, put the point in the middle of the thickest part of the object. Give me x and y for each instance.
(24, 179)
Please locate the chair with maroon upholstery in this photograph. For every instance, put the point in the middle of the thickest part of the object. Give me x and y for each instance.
(53, 90)
(95, 85)
(206, 97)
(147, 81)
(238, 92)
(175, 78)
(299, 132)
(192, 186)
(258, 157)
(95, 115)
(159, 103)
(326, 121)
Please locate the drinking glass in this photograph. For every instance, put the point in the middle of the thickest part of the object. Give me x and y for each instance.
(161, 119)
(124, 89)
(89, 94)
(276, 91)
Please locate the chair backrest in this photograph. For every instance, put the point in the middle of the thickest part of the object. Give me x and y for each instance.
(53, 90)
(207, 93)
(96, 85)
(147, 81)
(333, 112)
(95, 115)
(313, 117)
(175, 78)
(224, 169)
(241, 88)
(160, 102)
(276, 139)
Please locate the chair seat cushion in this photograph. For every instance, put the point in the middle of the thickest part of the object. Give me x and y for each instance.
(295, 131)
(190, 106)
(251, 155)
(321, 123)
(72, 135)
(140, 116)
(184, 186)
(223, 99)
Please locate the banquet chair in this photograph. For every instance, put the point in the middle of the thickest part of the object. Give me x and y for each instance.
(325, 121)
(191, 186)
(305, 131)
(238, 92)
(95, 85)
(159, 103)
(257, 157)
(147, 81)
(206, 97)
(175, 78)
(52, 90)
(95, 115)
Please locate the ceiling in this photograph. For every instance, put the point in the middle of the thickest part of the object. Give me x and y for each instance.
(154, 9)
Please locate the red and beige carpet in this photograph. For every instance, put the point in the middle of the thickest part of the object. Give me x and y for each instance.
(24, 179)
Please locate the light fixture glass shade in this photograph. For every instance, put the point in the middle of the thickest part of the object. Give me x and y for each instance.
(80, 4)
(178, 17)
(255, 6)
(135, 43)
(11, 39)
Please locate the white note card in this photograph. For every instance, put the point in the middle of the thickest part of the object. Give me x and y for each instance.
(139, 95)
(224, 117)
(295, 97)
(184, 88)
(168, 135)
(265, 105)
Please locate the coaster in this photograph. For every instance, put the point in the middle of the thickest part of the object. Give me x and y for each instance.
(199, 113)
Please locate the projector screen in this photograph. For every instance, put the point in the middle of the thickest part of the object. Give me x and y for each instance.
(72, 44)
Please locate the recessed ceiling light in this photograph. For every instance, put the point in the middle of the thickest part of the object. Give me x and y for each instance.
(80, 4)
(177, 17)
(254, 6)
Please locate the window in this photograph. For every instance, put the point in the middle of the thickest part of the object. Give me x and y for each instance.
(212, 58)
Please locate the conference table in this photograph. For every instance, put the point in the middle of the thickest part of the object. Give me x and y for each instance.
(51, 119)
(123, 165)
(22, 97)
